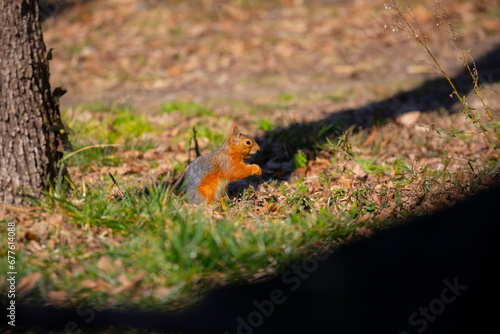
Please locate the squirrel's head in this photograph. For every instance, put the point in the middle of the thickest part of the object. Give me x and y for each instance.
(242, 143)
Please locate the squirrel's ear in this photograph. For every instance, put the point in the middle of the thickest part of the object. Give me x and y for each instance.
(235, 133)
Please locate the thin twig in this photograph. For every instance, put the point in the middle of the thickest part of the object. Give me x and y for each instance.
(116, 184)
(83, 149)
(196, 147)
(474, 74)
(173, 186)
(465, 160)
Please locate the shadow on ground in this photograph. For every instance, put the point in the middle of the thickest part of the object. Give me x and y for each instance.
(52, 8)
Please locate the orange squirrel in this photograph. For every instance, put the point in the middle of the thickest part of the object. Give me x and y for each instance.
(207, 177)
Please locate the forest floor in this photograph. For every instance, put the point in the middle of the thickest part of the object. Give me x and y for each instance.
(358, 131)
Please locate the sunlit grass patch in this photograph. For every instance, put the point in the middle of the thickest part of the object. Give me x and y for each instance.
(186, 108)
(111, 125)
(97, 156)
(100, 125)
(265, 123)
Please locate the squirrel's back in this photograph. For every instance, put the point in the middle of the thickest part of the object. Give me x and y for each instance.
(204, 171)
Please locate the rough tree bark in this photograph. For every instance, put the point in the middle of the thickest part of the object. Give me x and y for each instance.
(30, 122)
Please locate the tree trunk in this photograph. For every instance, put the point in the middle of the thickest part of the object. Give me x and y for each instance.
(30, 131)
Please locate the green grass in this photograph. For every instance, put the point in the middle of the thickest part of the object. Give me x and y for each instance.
(286, 97)
(112, 127)
(265, 124)
(101, 156)
(186, 108)
(300, 159)
(176, 246)
(370, 166)
(107, 125)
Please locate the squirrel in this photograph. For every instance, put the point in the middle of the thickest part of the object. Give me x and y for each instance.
(207, 177)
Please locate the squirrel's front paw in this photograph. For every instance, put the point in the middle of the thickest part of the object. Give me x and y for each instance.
(258, 171)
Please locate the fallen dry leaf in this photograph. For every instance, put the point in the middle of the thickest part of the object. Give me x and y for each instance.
(126, 284)
(370, 138)
(364, 231)
(27, 283)
(105, 264)
(89, 284)
(58, 298)
(102, 285)
(161, 292)
(408, 118)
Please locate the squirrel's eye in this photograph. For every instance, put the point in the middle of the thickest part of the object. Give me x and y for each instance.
(248, 142)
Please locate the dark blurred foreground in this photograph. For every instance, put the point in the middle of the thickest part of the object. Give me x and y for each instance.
(435, 275)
